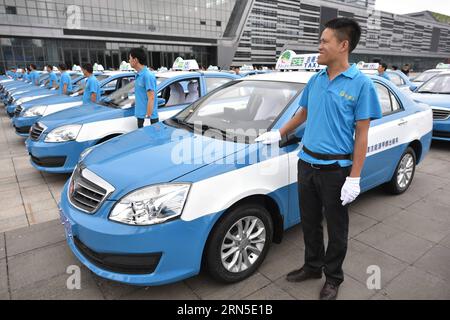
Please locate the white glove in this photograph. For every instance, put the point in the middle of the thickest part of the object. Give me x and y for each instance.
(350, 190)
(270, 137)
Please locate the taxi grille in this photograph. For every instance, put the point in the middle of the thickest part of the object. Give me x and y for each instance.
(85, 194)
(18, 111)
(441, 114)
(36, 131)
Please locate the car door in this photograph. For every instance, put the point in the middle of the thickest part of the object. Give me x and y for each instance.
(177, 95)
(384, 143)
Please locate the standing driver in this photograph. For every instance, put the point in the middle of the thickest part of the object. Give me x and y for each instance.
(144, 87)
(338, 103)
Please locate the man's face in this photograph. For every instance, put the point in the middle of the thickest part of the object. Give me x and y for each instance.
(330, 47)
(85, 73)
(380, 69)
(49, 69)
(133, 61)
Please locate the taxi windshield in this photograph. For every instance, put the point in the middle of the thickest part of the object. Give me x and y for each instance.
(439, 84)
(425, 76)
(243, 108)
(125, 95)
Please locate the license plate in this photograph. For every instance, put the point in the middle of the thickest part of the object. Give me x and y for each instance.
(66, 223)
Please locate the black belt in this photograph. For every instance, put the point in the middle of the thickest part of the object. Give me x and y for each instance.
(321, 156)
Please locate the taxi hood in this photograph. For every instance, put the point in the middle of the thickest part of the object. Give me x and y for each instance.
(438, 100)
(79, 115)
(154, 154)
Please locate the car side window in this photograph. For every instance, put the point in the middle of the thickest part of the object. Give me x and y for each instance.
(395, 104)
(213, 83)
(181, 92)
(125, 81)
(385, 98)
(111, 85)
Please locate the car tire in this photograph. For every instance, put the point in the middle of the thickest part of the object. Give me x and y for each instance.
(404, 173)
(247, 256)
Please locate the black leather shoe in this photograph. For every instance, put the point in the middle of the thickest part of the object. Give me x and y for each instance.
(302, 275)
(329, 291)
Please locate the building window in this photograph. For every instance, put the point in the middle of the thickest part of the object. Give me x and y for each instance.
(203, 22)
(11, 10)
(218, 23)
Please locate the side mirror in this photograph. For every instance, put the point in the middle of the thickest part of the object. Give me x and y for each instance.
(161, 102)
(413, 88)
(289, 140)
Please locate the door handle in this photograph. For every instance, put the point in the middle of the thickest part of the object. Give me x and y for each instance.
(402, 122)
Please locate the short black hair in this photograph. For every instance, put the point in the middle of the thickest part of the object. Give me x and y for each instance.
(346, 29)
(384, 65)
(139, 54)
(62, 66)
(88, 67)
(49, 66)
(33, 66)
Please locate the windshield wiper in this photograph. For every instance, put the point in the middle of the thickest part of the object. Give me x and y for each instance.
(183, 123)
(427, 92)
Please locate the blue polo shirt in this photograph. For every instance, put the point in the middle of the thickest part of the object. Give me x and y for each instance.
(145, 81)
(65, 79)
(52, 80)
(26, 77)
(34, 77)
(333, 108)
(384, 75)
(92, 86)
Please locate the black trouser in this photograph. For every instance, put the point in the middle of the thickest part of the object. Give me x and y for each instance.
(319, 195)
(140, 121)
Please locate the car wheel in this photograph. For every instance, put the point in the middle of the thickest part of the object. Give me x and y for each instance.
(404, 173)
(239, 243)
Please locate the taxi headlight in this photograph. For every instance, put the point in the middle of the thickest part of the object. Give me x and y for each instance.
(35, 111)
(64, 133)
(151, 205)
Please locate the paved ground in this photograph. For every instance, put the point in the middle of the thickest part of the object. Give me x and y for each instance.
(407, 236)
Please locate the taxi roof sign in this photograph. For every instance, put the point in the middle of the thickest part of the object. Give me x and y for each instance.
(442, 65)
(125, 66)
(185, 65)
(289, 60)
(367, 66)
(246, 67)
(76, 68)
(98, 67)
(213, 68)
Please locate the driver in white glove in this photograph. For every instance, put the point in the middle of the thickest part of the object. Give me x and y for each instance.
(350, 190)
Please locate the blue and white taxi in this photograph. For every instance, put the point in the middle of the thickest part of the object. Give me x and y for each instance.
(401, 81)
(27, 113)
(436, 93)
(33, 93)
(57, 140)
(428, 74)
(152, 206)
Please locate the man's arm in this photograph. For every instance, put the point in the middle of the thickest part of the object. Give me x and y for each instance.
(295, 122)
(93, 97)
(151, 99)
(360, 149)
(65, 88)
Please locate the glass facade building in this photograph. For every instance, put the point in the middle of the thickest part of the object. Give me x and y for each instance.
(222, 32)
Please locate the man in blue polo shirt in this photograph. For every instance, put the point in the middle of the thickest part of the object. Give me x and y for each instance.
(337, 103)
(65, 83)
(144, 87)
(91, 92)
(53, 79)
(382, 71)
(34, 75)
